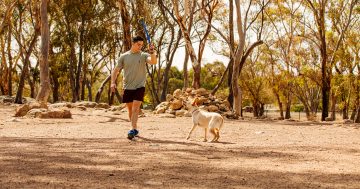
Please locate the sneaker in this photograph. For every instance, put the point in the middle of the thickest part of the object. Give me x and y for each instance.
(136, 132)
(131, 134)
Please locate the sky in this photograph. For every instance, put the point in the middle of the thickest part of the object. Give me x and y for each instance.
(208, 57)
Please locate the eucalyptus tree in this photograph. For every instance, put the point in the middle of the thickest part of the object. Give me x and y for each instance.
(316, 31)
(244, 22)
(32, 29)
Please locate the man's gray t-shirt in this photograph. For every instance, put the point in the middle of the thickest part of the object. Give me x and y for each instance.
(134, 69)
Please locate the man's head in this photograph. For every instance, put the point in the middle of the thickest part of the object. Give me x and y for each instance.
(137, 43)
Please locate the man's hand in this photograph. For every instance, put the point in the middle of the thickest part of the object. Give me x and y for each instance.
(113, 87)
(151, 48)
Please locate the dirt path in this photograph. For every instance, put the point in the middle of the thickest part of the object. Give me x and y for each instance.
(91, 151)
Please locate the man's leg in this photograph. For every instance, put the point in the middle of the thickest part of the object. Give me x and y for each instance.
(129, 107)
(135, 113)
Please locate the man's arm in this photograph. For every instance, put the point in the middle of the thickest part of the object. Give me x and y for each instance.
(114, 75)
(153, 58)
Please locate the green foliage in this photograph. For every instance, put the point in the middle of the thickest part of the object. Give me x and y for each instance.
(297, 108)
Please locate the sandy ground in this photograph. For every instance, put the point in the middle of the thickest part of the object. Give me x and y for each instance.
(91, 151)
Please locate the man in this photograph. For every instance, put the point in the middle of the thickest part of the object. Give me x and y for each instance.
(133, 64)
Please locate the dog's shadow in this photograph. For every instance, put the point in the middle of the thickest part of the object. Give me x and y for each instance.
(176, 142)
(167, 141)
(222, 142)
(113, 119)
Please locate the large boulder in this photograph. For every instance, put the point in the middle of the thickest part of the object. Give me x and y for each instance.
(102, 105)
(55, 113)
(169, 97)
(35, 112)
(176, 104)
(87, 104)
(22, 110)
(167, 116)
(213, 108)
(177, 93)
(180, 113)
(201, 92)
(60, 105)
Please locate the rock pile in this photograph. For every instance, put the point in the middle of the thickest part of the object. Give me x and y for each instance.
(31, 108)
(179, 103)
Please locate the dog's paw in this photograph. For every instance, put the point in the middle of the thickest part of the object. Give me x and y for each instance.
(205, 140)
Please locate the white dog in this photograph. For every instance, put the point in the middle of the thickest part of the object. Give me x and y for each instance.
(206, 120)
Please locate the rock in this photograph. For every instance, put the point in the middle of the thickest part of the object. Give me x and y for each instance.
(35, 112)
(167, 116)
(170, 111)
(86, 104)
(177, 93)
(7, 99)
(37, 105)
(231, 115)
(60, 105)
(169, 97)
(176, 104)
(180, 113)
(227, 103)
(116, 108)
(56, 113)
(102, 105)
(13, 120)
(187, 114)
(163, 104)
(348, 121)
(212, 108)
(223, 107)
(82, 108)
(329, 119)
(201, 92)
(160, 110)
(188, 90)
(22, 110)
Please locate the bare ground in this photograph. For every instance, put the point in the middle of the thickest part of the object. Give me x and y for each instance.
(91, 151)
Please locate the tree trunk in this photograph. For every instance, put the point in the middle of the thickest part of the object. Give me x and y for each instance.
(3, 69)
(84, 73)
(196, 76)
(333, 106)
(100, 90)
(126, 21)
(10, 63)
(187, 39)
(78, 83)
(288, 106)
(72, 72)
(169, 58)
(31, 84)
(88, 85)
(25, 70)
(44, 92)
(55, 86)
(185, 70)
(280, 105)
(223, 76)
(357, 119)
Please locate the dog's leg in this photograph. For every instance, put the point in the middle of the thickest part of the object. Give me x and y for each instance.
(192, 129)
(217, 132)
(212, 130)
(206, 131)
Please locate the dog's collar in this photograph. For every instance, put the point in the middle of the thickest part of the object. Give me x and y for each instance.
(196, 109)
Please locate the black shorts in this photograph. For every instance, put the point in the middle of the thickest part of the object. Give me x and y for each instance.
(135, 94)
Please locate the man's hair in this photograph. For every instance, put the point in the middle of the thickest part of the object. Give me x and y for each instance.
(137, 38)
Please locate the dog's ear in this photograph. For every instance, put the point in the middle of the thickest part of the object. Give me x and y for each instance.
(195, 102)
